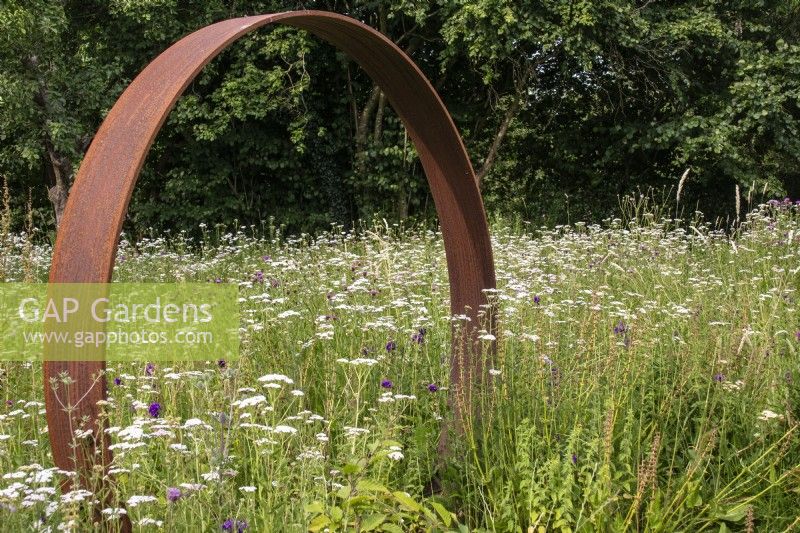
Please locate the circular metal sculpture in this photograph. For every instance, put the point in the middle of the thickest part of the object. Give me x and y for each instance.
(89, 232)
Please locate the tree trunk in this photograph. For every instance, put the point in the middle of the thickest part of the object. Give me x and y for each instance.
(58, 175)
(57, 167)
(491, 157)
(377, 132)
(402, 203)
(362, 127)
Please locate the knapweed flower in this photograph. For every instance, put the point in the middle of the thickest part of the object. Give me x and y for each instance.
(217, 280)
(118, 381)
(797, 335)
(386, 384)
(574, 459)
(719, 377)
(149, 369)
(537, 299)
(231, 525)
(222, 363)
(419, 336)
(155, 409)
(433, 387)
(258, 277)
(390, 346)
(621, 328)
(173, 494)
(223, 419)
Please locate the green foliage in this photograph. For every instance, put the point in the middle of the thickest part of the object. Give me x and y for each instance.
(364, 504)
(572, 103)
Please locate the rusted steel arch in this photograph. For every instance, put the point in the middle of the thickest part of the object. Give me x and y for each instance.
(88, 236)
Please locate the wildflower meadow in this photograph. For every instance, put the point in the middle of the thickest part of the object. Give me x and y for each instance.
(645, 378)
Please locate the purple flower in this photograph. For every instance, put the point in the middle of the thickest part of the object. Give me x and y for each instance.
(390, 346)
(117, 380)
(149, 369)
(258, 277)
(386, 384)
(230, 524)
(621, 328)
(537, 300)
(266, 258)
(218, 280)
(222, 363)
(574, 459)
(433, 387)
(223, 419)
(719, 377)
(797, 335)
(9, 403)
(419, 336)
(173, 494)
(155, 409)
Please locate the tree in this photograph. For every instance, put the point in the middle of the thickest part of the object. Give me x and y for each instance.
(560, 102)
(52, 88)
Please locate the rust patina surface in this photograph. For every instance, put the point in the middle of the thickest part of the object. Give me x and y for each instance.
(88, 236)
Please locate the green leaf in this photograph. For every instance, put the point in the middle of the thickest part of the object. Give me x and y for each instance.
(445, 515)
(319, 523)
(372, 521)
(368, 485)
(351, 468)
(314, 508)
(407, 501)
(734, 514)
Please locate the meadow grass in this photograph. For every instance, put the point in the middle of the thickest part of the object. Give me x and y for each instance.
(646, 379)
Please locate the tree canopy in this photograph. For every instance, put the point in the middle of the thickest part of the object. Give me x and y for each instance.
(563, 105)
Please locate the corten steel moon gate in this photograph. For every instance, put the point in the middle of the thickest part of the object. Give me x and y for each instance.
(88, 236)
